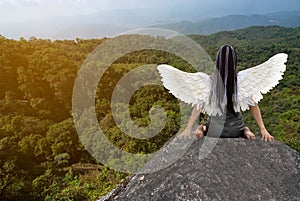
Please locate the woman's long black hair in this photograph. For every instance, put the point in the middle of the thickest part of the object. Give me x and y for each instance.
(224, 80)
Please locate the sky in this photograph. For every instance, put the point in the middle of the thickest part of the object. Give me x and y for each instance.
(21, 10)
(45, 18)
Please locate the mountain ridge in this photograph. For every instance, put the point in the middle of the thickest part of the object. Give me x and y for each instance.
(234, 22)
(106, 24)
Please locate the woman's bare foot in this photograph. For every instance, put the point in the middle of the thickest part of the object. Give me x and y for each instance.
(199, 133)
(249, 134)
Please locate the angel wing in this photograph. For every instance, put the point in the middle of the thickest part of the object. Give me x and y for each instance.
(192, 88)
(258, 80)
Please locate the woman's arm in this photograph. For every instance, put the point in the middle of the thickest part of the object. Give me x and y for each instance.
(257, 116)
(193, 118)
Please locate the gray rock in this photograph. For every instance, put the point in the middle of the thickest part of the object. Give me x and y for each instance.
(236, 169)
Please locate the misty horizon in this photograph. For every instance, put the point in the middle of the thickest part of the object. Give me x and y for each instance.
(66, 18)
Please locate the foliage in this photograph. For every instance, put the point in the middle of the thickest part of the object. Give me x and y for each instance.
(41, 156)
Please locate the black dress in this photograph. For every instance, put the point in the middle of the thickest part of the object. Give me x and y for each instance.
(231, 126)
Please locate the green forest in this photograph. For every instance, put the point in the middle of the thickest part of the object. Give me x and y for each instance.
(41, 155)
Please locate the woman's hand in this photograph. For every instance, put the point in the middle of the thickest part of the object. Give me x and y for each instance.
(266, 135)
(257, 116)
(186, 133)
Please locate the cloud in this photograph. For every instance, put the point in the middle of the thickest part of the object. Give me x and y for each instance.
(19, 2)
(38, 2)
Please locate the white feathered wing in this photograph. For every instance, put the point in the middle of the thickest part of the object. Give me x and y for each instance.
(191, 88)
(195, 88)
(258, 80)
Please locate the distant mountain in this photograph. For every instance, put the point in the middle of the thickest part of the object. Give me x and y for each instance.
(259, 35)
(287, 19)
(233, 22)
(108, 23)
(104, 23)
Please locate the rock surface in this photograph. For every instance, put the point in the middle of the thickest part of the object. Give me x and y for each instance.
(236, 169)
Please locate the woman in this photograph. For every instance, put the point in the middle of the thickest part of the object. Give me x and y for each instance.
(228, 93)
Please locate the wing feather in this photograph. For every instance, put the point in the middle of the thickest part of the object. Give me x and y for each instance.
(191, 88)
(258, 80)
